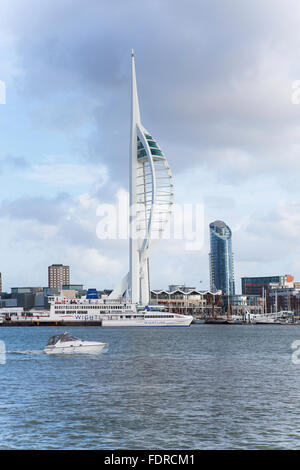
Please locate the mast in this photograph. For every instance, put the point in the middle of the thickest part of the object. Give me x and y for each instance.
(228, 306)
(134, 287)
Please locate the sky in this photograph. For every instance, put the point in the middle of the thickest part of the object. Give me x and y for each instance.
(216, 81)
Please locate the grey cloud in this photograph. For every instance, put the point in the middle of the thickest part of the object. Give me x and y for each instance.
(45, 211)
(198, 70)
(73, 233)
(12, 161)
(18, 162)
(213, 81)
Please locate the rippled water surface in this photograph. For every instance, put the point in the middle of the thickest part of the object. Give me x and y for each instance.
(203, 387)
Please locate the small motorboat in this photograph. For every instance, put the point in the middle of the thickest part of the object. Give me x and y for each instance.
(67, 344)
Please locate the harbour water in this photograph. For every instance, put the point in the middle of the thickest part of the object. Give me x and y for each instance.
(203, 387)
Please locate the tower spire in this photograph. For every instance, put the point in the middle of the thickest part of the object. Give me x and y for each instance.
(135, 100)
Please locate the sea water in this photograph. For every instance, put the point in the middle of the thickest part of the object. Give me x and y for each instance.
(203, 387)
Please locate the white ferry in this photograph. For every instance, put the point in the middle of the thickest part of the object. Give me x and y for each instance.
(112, 313)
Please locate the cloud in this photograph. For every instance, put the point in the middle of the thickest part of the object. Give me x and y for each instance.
(93, 266)
(17, 162)
(214, 81)
(68, 174)
(283, 223)
(206, 99)
(42, 210)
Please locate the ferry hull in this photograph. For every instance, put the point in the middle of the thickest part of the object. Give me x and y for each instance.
(51, 323)
(146, 323)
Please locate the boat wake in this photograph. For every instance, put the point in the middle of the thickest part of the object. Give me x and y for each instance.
(28, 351)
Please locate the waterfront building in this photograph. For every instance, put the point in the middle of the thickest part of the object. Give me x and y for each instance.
(259, 285)
(151, 200)
(7, 300)
(26, 297)
(58, 275)
(284, 299)
(189, 301)
(221, 258)
(239, 304)
(183, 287)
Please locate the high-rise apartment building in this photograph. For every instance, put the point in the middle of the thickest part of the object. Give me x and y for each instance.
(58, 275)
(221, 258)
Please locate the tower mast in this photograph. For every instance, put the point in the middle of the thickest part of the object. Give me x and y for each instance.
(134, 287)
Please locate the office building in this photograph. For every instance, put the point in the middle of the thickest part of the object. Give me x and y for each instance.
(260, 284)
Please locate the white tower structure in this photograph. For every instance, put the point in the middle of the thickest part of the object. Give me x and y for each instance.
(151, 200)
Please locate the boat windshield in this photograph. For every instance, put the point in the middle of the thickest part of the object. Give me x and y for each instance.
(63, 338)
(67, 337)
(53, 340)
